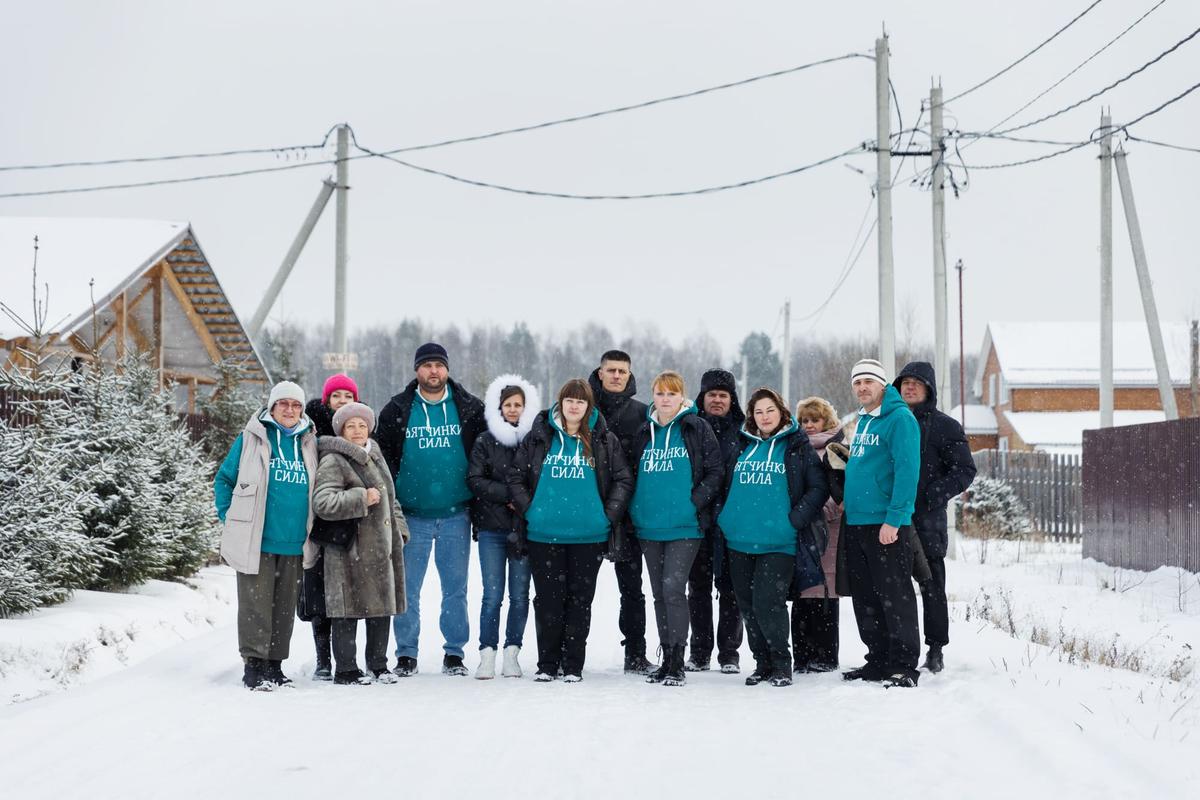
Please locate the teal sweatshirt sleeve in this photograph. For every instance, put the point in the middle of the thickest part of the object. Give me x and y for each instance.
(905, 445)
(227, 477)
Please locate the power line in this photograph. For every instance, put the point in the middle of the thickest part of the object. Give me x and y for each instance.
(1081, 65)
(621, 109)
(177, 157)
(1184, 148)
(646, 196)
(1109, 87)
(845, 274)
(1053, 36)
(1095, 137)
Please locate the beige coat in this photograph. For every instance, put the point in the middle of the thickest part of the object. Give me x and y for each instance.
(241, 537)
(367, 579)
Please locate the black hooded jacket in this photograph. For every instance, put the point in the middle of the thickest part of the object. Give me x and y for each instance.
(321, 415)
(725, 428)
(624, 417)
(613, 478)
(392, 427)
(947, 467)
(704, 454)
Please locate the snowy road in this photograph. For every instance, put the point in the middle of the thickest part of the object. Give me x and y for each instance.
(993, 725)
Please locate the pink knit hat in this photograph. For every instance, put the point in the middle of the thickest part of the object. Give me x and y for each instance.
(339, 381)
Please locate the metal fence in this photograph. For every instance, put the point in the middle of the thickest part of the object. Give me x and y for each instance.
(1141, 495)
(1049, 484)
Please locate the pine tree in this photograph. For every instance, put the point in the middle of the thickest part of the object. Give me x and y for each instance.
(227, 409)
(994, 510)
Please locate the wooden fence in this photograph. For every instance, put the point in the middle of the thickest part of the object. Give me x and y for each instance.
(1050, 485)
(12, 414)
(1141, 495)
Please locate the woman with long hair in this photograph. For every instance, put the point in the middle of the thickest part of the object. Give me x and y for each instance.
(570, 485)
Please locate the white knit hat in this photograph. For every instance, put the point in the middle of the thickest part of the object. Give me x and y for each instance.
(869, 368)
(349, 412)
(285, 390)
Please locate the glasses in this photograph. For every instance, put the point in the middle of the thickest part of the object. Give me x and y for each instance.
(291, 405)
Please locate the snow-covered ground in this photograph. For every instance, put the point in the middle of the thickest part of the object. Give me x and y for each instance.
(1008, 718)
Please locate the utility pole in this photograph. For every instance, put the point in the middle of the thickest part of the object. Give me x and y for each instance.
(339, 266)
(745, 377)
(1166, 390)
(787, 349)
(941, 344)
(254, 328)
(962, 350)
(1195, 368)
(883, 162)
(1106, 291)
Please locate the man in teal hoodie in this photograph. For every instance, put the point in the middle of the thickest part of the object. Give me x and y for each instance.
(881, 489)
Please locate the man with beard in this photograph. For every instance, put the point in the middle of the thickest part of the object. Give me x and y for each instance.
(426, 434)
(718, 404)
(614, 386)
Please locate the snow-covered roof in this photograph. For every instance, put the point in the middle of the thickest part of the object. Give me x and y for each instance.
(980, 419)
(71, 252)
(1068, 353)
(1062, 431)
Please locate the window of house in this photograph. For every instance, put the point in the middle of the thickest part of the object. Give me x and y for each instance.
(1004, 444)
(993, 397)
(1003, 391)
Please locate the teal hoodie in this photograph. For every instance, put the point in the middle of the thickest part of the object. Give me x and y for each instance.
(285, 523)
(566, 507)
(884, 465)
(432, 479)
(662, 509)
(755, 516)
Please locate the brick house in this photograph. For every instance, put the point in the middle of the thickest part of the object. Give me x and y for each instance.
(1041, 380)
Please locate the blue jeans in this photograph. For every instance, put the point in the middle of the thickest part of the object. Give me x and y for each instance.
(452, 557)
(493, 559)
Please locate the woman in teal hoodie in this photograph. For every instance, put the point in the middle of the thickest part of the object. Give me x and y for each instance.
(570, 484)
(678, 476)
(775, 489)
(263, 493)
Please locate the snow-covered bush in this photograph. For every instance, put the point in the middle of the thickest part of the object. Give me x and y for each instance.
(994, 511)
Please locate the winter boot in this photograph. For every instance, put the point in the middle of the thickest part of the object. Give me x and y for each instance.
(572, 677)
(677, 672)
(867, 672)
(324, 668)
(761, 673)
(730, 667)
(351, 677)
(274, 673)
(543, 677)
(487, 664)
(384, 676)
(697, 663)
(904, 679)
(405, 666)
(819, 666)
(453, 665)
(660, 674)
(933, 660)
(636, 663)
(781, 676)
(252, 676)
(511, 668)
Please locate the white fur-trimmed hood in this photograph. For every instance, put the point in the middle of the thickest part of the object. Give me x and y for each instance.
(506, 434)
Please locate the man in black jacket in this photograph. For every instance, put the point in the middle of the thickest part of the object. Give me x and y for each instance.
(425, 434)
(947, 470)
(718, 404)
(614, 386)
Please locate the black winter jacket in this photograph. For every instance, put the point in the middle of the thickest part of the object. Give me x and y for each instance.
(708, 466)
(321, 416)
(613, 477)
(808, 485)
(624, 417)
(947, 467)
(487, 475)
(392, 427)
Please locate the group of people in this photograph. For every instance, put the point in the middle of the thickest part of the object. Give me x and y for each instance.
(335, 514)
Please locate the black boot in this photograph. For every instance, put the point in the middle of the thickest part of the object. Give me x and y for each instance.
(253, 677)
(762, 671)
(322, 640)
(274, 673)
(656, 675)
(676, 674)
(867, 672)
(636, 663)
(933, 660)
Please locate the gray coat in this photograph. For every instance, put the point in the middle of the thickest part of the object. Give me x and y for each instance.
(366, 580)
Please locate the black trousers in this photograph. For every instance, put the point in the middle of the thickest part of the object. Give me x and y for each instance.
(885, 605)
(934, 605)
(761, 583)
(632, 618)
(322, 628)
(815, 632)
(345, 646)
(564, 579)
(700, 609)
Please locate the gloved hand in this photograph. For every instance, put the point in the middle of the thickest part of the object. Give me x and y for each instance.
(515, 545)
(837, 454)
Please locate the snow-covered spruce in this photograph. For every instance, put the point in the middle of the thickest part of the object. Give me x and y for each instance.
(994, 511)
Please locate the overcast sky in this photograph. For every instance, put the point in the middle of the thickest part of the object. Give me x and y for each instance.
(88, 80)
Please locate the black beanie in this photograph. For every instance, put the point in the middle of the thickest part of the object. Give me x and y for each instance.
(717, 379)
(431, 351)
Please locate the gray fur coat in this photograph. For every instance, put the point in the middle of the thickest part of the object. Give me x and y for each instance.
(366, 580)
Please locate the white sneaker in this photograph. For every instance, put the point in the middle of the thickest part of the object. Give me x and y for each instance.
(511, 668)
(487, 664)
